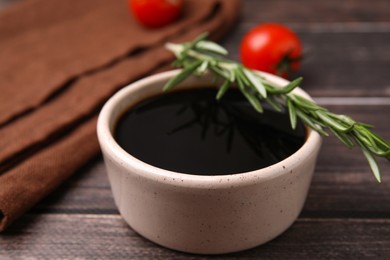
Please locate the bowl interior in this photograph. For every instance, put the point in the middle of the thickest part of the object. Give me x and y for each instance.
(152, 86)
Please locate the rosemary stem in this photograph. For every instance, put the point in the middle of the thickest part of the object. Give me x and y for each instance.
(177, 49)
(200, 55)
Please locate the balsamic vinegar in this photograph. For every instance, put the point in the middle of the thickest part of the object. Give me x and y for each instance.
(189, 131)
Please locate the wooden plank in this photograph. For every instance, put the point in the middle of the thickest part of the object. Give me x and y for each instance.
(107, 236)
(316, 11)
(346, 64)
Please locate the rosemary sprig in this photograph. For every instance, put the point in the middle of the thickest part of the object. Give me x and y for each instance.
(200, 55)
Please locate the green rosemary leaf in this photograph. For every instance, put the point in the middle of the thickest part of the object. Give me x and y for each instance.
(305, 104)
(270, 89)
(371, 161)
(380, 141)
(373, 164)
(378, 152)
(249, 96)
(362, 138)
(275, 104)
(366, 133)
(220, 72)
(366, 125)
(253, 100)
(308, 103)
(181, 76)
(319, 122)
(222, 90)
(212, 47)
(292, 113)
(344, 138)
(343, 118)
(309, 122)
(332, 123)
(203, 67)
(240, 74)
(232, 76)
(288, 88)
(313, 113)
(370, 139)
(254, 81)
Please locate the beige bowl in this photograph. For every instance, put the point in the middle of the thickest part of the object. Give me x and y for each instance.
(203, 214)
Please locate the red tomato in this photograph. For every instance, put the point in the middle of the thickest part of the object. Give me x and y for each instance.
(272, 48)
(155, 13)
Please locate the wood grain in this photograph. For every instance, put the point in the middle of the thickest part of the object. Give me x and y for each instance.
(109, 237)
(256, 11)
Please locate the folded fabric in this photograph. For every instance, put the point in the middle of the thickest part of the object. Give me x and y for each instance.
(60, 61)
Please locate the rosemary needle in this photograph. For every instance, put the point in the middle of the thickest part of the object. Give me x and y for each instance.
(201, 55)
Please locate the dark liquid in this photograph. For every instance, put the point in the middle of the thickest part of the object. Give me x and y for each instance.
(190, 132)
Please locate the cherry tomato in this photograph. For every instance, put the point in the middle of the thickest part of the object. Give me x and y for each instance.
(155, 13)
(272, 48)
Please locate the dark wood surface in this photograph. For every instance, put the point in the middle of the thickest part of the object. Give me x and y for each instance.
(347, 213)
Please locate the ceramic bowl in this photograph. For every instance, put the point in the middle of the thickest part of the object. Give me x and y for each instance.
(202, 214)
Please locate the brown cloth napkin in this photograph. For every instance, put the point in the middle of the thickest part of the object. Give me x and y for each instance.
(59, 62)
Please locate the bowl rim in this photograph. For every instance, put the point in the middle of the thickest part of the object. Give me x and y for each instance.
(135, 166)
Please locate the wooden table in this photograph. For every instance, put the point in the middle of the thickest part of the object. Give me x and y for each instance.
(347, 213)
